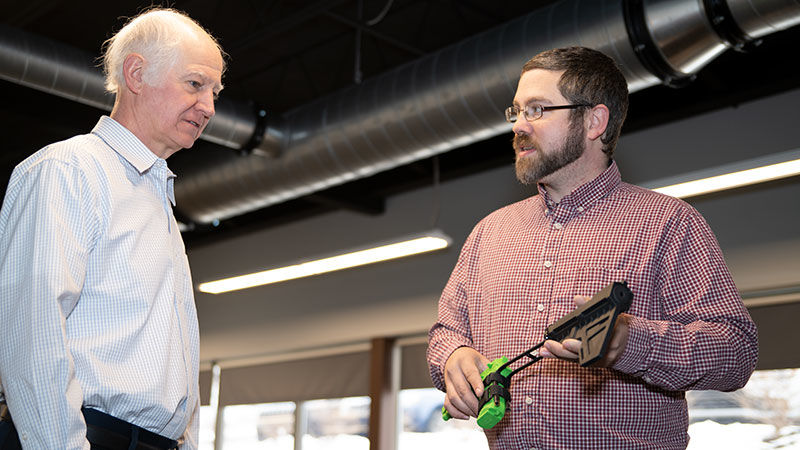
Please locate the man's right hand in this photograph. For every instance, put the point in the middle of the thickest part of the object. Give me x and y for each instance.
(462, 377)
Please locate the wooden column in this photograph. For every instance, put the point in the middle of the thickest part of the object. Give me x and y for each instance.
(384, 381)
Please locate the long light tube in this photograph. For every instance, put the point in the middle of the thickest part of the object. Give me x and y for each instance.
(412, 246)
(759, 170)
(773, 167)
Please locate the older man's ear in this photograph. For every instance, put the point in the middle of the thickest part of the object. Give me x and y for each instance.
(133, 72)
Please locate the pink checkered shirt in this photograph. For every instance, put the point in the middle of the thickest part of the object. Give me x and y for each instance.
(521, 267)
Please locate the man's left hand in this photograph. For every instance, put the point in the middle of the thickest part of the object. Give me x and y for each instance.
(569, 348)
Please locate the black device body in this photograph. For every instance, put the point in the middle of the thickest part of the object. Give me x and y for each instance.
(590, 322)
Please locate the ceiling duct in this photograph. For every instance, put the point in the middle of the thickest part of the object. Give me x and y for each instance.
(61, 70)
(442, 101)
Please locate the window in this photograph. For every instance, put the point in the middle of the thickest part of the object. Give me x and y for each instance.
(765, 414)
(266, 426)
(337, 424)
(206, 428)
(423, 427)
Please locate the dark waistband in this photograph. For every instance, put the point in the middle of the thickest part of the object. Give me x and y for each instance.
(108, 431)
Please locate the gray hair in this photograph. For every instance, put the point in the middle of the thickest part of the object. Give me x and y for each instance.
(157, 35)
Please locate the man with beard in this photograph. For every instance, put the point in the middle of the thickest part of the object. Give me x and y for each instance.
(528, 264)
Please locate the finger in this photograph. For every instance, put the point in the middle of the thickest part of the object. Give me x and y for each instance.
(461, 392)
(454, 411)
(465, 402)
(557, 350)
(581, 299)
(572, 345)
(483, 363)
(468, 402)
(476, 382)
(619, 340)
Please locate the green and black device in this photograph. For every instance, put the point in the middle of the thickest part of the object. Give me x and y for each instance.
(591, 323)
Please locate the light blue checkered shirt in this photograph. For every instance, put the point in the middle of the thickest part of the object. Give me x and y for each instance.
(96, 301)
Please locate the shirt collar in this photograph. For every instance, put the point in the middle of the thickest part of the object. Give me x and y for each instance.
(586, 195)
(125, 143)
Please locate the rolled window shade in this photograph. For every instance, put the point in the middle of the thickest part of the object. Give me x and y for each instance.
(344, 375)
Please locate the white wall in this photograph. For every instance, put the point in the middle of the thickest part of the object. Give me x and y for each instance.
(757, 229)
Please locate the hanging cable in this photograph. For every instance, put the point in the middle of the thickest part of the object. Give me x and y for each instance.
(357, 75)
(381, 15)
(436, 192)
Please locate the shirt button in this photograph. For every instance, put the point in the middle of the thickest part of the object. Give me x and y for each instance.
(540, 307)
(24, 436)
(558, 226)
(548, 264)
(528, 401)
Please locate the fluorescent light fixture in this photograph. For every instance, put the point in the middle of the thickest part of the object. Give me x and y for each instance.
(729, 176)
(410, 246)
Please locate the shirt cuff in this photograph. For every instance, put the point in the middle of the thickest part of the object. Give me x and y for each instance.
(633, 360)
(438, 356)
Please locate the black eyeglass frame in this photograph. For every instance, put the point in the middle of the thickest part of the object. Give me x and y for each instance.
(512, 112)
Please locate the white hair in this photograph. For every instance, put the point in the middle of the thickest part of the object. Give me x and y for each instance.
(157, 35)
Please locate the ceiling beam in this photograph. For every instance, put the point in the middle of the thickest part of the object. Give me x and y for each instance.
(376, 34)
(284, 25)
(359, 204)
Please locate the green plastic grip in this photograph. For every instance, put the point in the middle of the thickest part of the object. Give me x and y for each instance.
(491, 413)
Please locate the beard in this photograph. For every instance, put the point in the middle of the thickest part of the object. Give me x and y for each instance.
(533, 167)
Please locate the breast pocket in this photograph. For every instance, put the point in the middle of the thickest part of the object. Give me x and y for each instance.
(590, 280)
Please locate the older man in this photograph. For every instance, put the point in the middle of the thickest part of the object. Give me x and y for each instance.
(523, 266)
(99, 329)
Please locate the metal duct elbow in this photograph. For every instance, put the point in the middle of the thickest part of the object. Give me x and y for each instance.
(682, 37)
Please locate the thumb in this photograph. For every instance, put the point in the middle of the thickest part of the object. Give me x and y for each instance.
(581, 299)
(476, 381)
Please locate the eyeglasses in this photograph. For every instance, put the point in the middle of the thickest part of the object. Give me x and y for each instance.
(534, 111)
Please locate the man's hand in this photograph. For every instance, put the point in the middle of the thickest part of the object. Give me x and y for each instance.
(462, 377)
(569, 348)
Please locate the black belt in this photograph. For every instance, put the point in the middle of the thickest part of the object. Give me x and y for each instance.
(109, 432)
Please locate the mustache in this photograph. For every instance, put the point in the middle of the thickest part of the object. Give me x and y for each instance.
(522, 140)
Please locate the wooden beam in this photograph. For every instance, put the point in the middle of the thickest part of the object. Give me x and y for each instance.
(383, 386)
